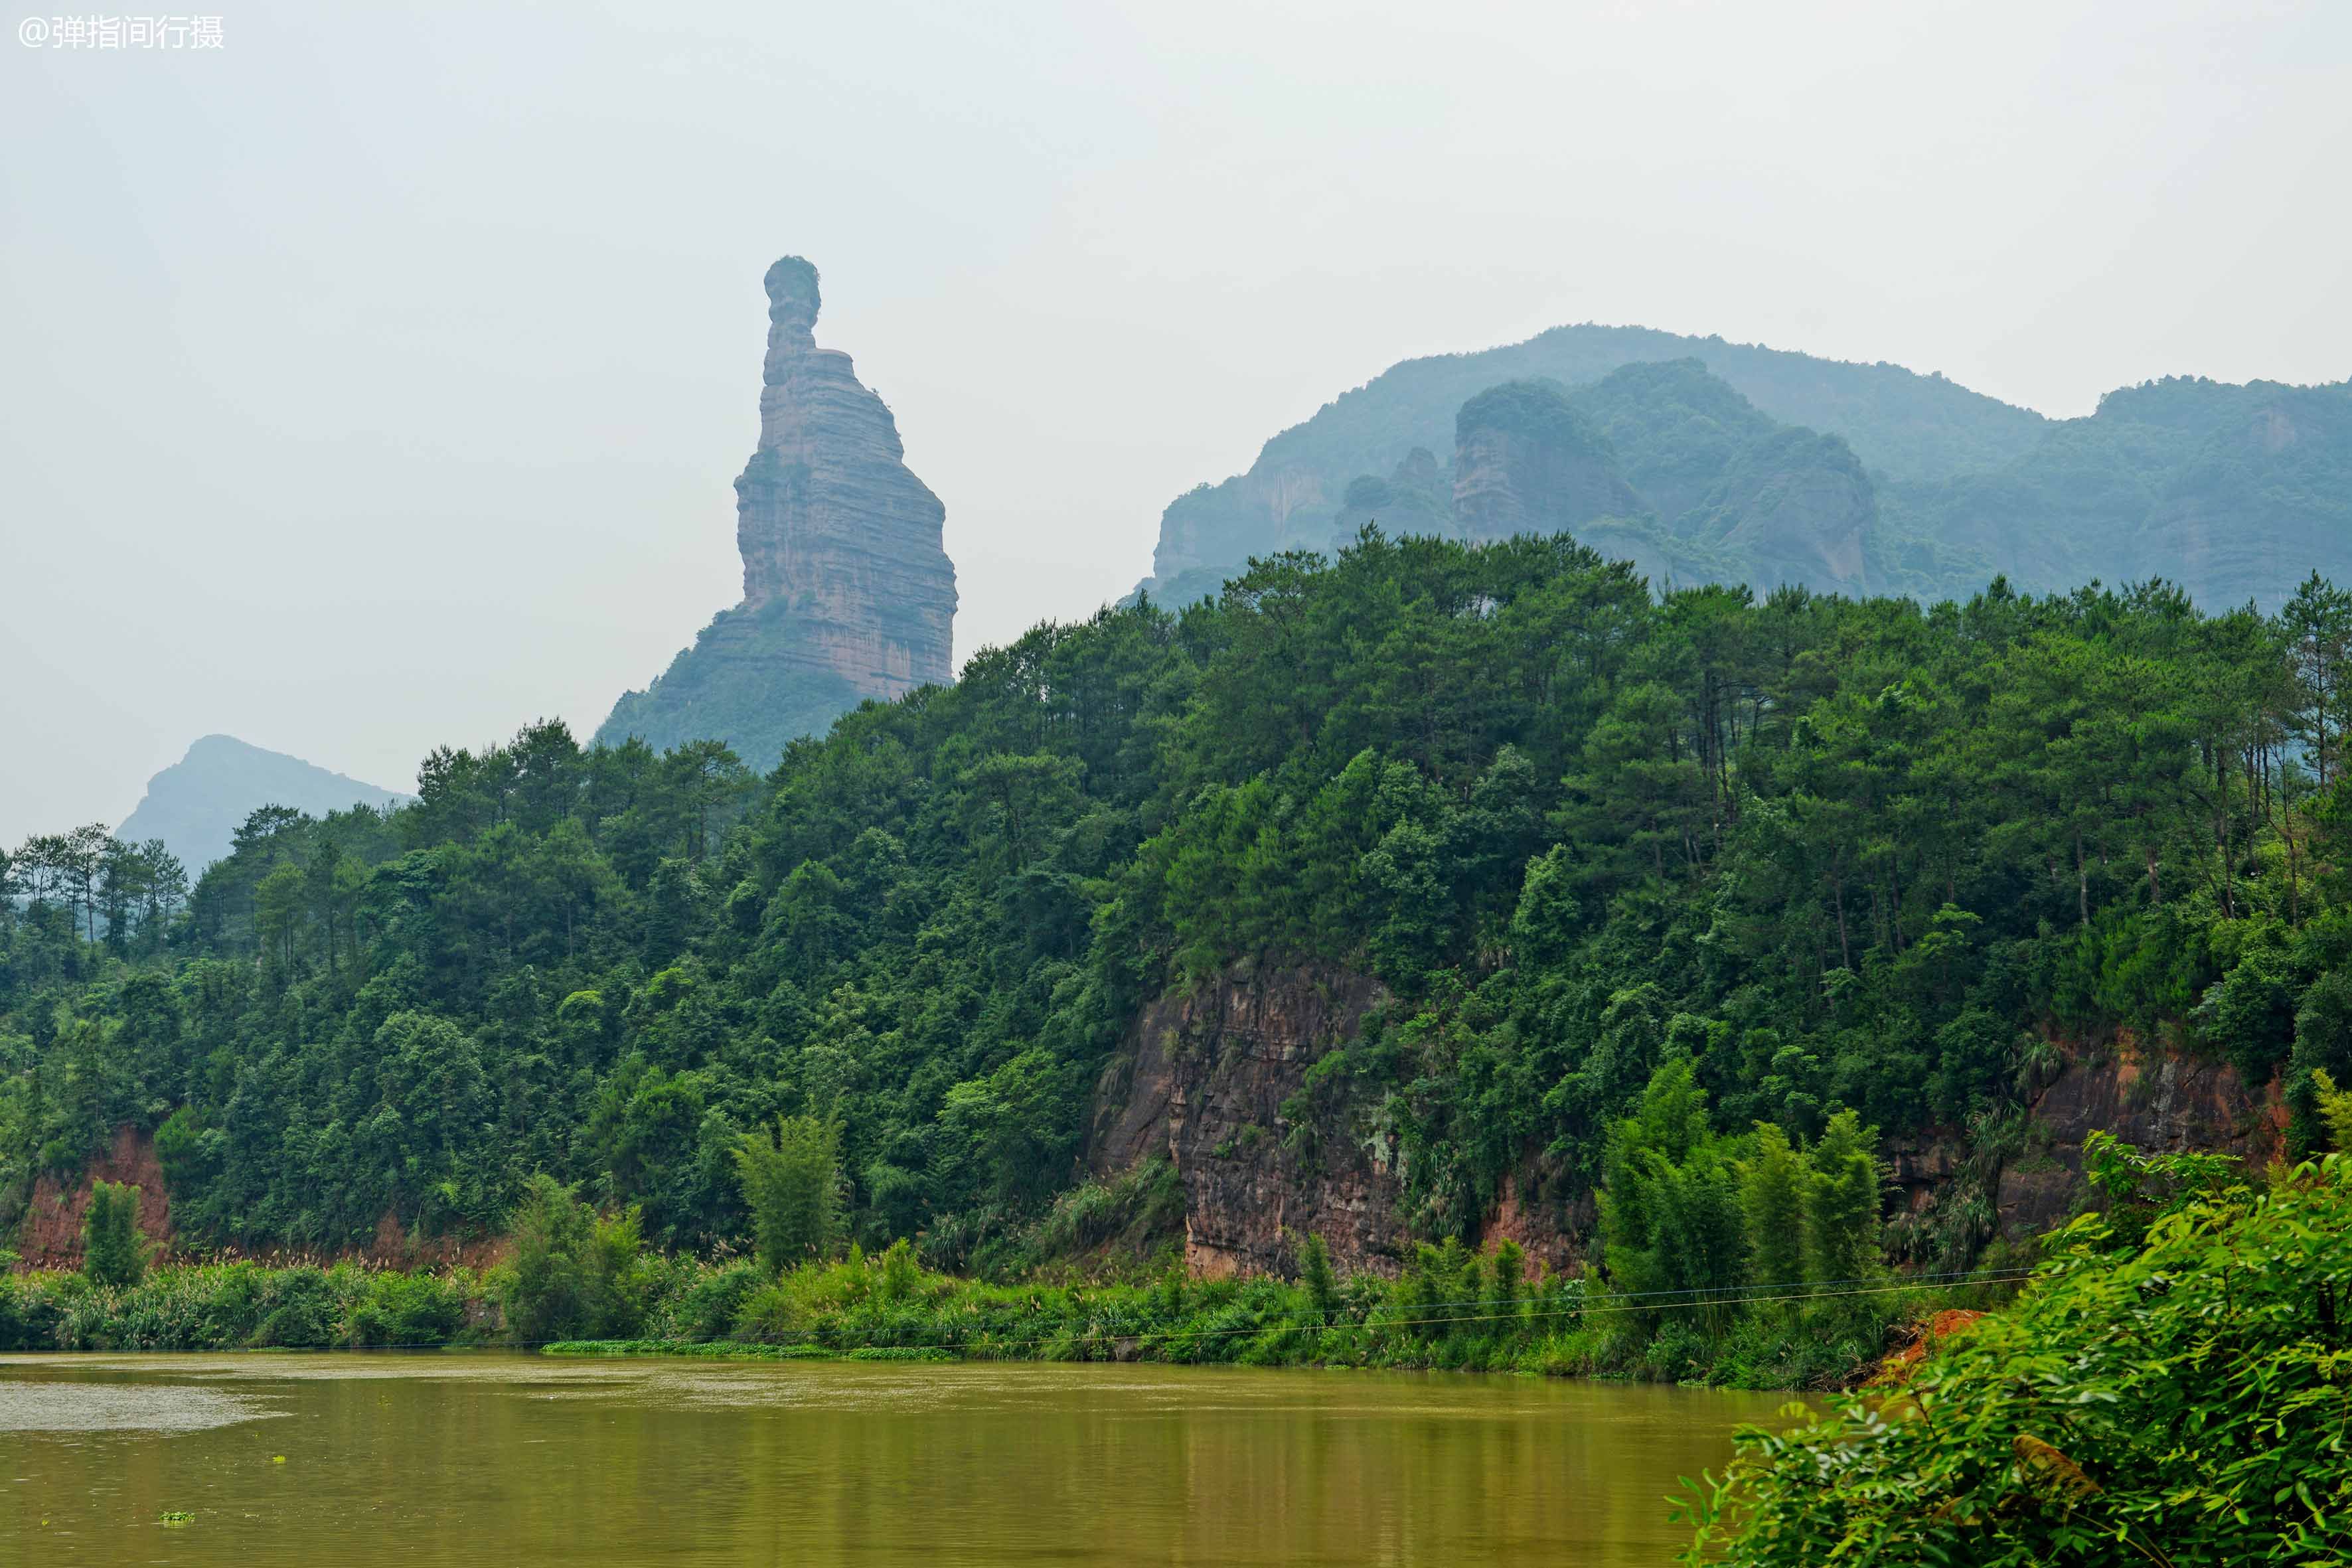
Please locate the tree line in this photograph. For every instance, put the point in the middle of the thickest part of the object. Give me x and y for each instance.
(86, 888)
(1853, 864)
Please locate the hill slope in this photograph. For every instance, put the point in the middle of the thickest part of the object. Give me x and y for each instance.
(195, 805)
(2235, 493)
(1759, 465)
(1897, 422)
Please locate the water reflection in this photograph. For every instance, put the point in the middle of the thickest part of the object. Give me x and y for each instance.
(514, 1460)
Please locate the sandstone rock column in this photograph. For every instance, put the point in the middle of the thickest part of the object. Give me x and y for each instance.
(848, 593)
(830, 521)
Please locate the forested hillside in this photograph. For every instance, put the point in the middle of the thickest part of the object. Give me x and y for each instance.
(1832, 855)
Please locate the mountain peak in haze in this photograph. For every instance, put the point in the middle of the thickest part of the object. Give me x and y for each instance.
(195, 805)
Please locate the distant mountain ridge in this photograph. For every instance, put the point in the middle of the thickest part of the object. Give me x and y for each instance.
(1764, 466)
(195, 805)
(1896, 420)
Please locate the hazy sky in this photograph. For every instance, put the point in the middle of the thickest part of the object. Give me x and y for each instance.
(379, 379)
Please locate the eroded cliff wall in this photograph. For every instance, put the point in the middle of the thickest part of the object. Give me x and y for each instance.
(1204, 1079)
(1219, 1080)
(848, 593)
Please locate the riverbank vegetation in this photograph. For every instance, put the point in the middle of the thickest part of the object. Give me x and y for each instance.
(1453, 1309)
(2175, 1387)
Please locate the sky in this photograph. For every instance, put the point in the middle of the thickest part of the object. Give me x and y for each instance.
(378, 380)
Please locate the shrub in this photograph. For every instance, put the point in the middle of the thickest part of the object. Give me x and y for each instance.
(113, 1254)
(792, 1183)
(406, 1310)
(574, 1275)
(2181, 1404)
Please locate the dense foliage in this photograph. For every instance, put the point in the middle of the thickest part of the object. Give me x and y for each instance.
(113, 1251)
(1834, 854)
(2185, 1401)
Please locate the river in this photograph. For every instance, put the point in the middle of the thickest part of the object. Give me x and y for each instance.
(499, 1460)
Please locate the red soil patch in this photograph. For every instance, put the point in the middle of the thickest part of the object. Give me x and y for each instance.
(50, 1235)
(1899, 1365)
(392, 1248)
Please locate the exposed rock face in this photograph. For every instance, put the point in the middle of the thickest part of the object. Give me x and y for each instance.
(829, 518)
(1525, 461)
(1205, 1080)
(1214, 1080)
(847, 593)
(2159, 1099)
(1217, 1080)
(49, 1236)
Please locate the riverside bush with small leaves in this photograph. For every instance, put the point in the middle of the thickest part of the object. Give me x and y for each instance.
(242, 1305)
(2185, 1402)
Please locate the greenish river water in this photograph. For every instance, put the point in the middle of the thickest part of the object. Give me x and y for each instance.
(498, 1460)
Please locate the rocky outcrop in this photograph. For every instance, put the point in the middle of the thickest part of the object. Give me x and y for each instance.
(1676, 428)
(1219, 1080)
(847, 593)
(1208, 1078)
(1911, 426)
(1525, 461)
(2157, 1097)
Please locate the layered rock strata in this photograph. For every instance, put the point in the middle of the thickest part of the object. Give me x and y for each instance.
(847, 591)
(1208, 1080)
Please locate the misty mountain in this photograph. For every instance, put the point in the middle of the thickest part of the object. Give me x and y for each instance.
(2235, 493)
(1897, 422)
(1744, 464)
(195, 805)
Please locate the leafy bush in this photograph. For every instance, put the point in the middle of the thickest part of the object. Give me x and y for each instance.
(792, 1183)
(113, 1254)
(2179, 1403)
(574, 1273)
